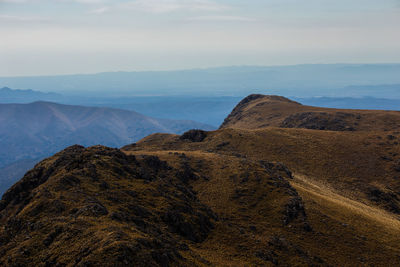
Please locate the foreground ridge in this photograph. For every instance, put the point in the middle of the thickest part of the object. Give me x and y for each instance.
(97, 205)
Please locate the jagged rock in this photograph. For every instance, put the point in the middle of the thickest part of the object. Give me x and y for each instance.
(294, 210)
(195, 228)
(274, 167)
(194, 135)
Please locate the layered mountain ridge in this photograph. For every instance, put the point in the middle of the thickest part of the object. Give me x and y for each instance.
(8, 95)
(30, 132)
(269, 188)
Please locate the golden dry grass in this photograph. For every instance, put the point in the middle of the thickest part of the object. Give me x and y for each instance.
(346, 209)
(353, 163)
(333, 173)
(270, 111)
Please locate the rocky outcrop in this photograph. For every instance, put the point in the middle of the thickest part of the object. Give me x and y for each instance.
(338, 121)
(97, 206)
(388, 200)
(194, 135)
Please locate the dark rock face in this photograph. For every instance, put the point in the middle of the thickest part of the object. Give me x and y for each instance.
(195, 228)
(294, 210)
(338, 121)
(194, 135)
(389, 200)
(82, 206)
(272, 168)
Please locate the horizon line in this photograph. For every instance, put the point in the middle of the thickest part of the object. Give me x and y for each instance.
(196, 68)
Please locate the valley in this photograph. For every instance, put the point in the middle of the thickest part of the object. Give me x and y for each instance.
(33, 131)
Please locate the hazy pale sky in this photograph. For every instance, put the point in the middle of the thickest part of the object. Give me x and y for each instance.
(43, 37)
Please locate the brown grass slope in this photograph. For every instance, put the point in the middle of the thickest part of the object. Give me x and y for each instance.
(101, 207)
(346, 166)
(260, 111)
(363, 166)
(348, 227)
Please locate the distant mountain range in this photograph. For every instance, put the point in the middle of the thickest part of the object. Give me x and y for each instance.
(8, 95)
(205, 109)
(298, 80)
(352, 102)
(35, 130)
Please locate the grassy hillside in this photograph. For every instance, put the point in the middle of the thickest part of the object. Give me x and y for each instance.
(359, 165)
(260, 111)
(99, 206)
(348, 178)
(239, 196)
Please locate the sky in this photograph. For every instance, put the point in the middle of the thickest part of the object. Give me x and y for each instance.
(43, 37)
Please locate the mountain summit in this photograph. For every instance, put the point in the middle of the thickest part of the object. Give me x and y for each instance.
(260, 111)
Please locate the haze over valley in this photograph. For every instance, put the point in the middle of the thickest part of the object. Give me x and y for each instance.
(30, 132)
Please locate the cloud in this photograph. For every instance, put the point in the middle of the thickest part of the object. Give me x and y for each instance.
(146, 6)
(90, 2)
(13, 1)
(222, 18)
(100, 10)
(11, 18)
(167, 6)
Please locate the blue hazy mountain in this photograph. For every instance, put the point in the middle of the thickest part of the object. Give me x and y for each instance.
(352, 103)
(41, 128)
(213, 109)
(8, 95)
(208, 110)
(32, 131)
(299, 80)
